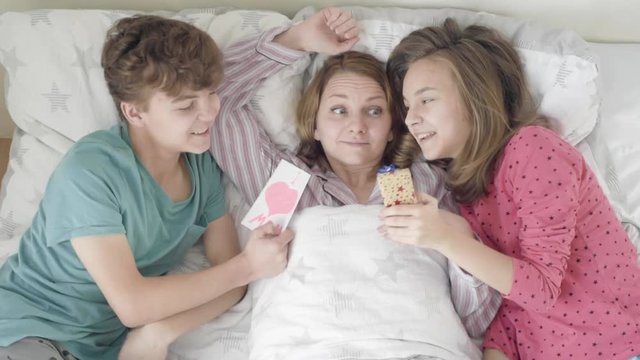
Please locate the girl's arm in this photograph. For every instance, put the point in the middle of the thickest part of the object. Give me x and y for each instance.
(475, 302)
(543, 180)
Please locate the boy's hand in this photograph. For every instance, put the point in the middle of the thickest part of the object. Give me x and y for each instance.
(148, 342)
(266, 252)
(329, 31)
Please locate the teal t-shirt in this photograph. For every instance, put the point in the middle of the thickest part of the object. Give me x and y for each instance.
(99, 188)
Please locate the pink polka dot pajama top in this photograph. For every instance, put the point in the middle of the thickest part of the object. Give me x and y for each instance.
(576, 284)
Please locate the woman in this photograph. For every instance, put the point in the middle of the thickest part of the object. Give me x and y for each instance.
(551, 243)
(345, 126)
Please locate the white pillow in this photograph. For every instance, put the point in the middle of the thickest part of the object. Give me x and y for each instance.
(618, 130)
(560, 66)
(349, 293)
(56, 92)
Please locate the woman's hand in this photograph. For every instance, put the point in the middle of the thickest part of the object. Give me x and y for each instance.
(266, 252)
(329, 31)
(423, 224)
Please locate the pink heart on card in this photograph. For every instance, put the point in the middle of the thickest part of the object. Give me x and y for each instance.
(280, 198)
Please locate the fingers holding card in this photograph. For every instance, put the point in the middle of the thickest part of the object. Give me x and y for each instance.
(278, 199)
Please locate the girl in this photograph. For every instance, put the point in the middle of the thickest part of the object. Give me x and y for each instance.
(551, 243)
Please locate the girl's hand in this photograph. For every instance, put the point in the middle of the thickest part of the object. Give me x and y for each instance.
(423, 225)
(329, 31)
(148, 342)
(266, 252)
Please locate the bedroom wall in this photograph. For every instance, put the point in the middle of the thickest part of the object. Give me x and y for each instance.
(595, 20)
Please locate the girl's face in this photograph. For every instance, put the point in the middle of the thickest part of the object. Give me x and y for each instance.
(353, 123)
(436, 115)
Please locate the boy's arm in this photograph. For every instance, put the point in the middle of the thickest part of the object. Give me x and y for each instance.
(221, 245)
(110, 262)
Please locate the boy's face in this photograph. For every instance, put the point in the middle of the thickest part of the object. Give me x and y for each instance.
(182, 123)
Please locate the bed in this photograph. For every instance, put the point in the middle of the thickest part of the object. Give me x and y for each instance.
(55, 94)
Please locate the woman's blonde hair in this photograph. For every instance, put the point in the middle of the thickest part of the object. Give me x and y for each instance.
(492, 85)
(401, 150)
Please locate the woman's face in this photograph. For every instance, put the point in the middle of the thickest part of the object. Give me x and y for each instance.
(435, 112)
(353, 123)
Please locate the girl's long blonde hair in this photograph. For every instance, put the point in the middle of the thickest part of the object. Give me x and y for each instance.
(493, 89)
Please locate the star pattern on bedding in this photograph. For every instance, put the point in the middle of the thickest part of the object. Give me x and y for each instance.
(232, 341)
(563, 74)
(251, 20)
(335, 227)
(524, 44)
(213, 11)
(19, 156)
(346, 352)
(341, 302)
(8, 226)
(383, 39)
(299, 271)
(40, 16)
(11, 61)
(57, 99)
(302, 337)
(85, 59)
(611, 177)
(389, 267)
(433, 303)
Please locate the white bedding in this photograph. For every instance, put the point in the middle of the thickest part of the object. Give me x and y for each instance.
(349, 293)
(45, 131)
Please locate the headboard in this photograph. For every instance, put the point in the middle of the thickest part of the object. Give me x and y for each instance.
(615, 22)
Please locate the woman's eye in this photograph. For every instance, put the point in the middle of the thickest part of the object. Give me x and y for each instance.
(375, 111)
(426, 101)
(339, 110)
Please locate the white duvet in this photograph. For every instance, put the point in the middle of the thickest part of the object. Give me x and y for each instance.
(347, 293)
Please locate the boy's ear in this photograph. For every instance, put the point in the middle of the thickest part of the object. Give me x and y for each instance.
(131, 113)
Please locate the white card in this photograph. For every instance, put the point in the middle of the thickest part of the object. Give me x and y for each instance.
(278, 199)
